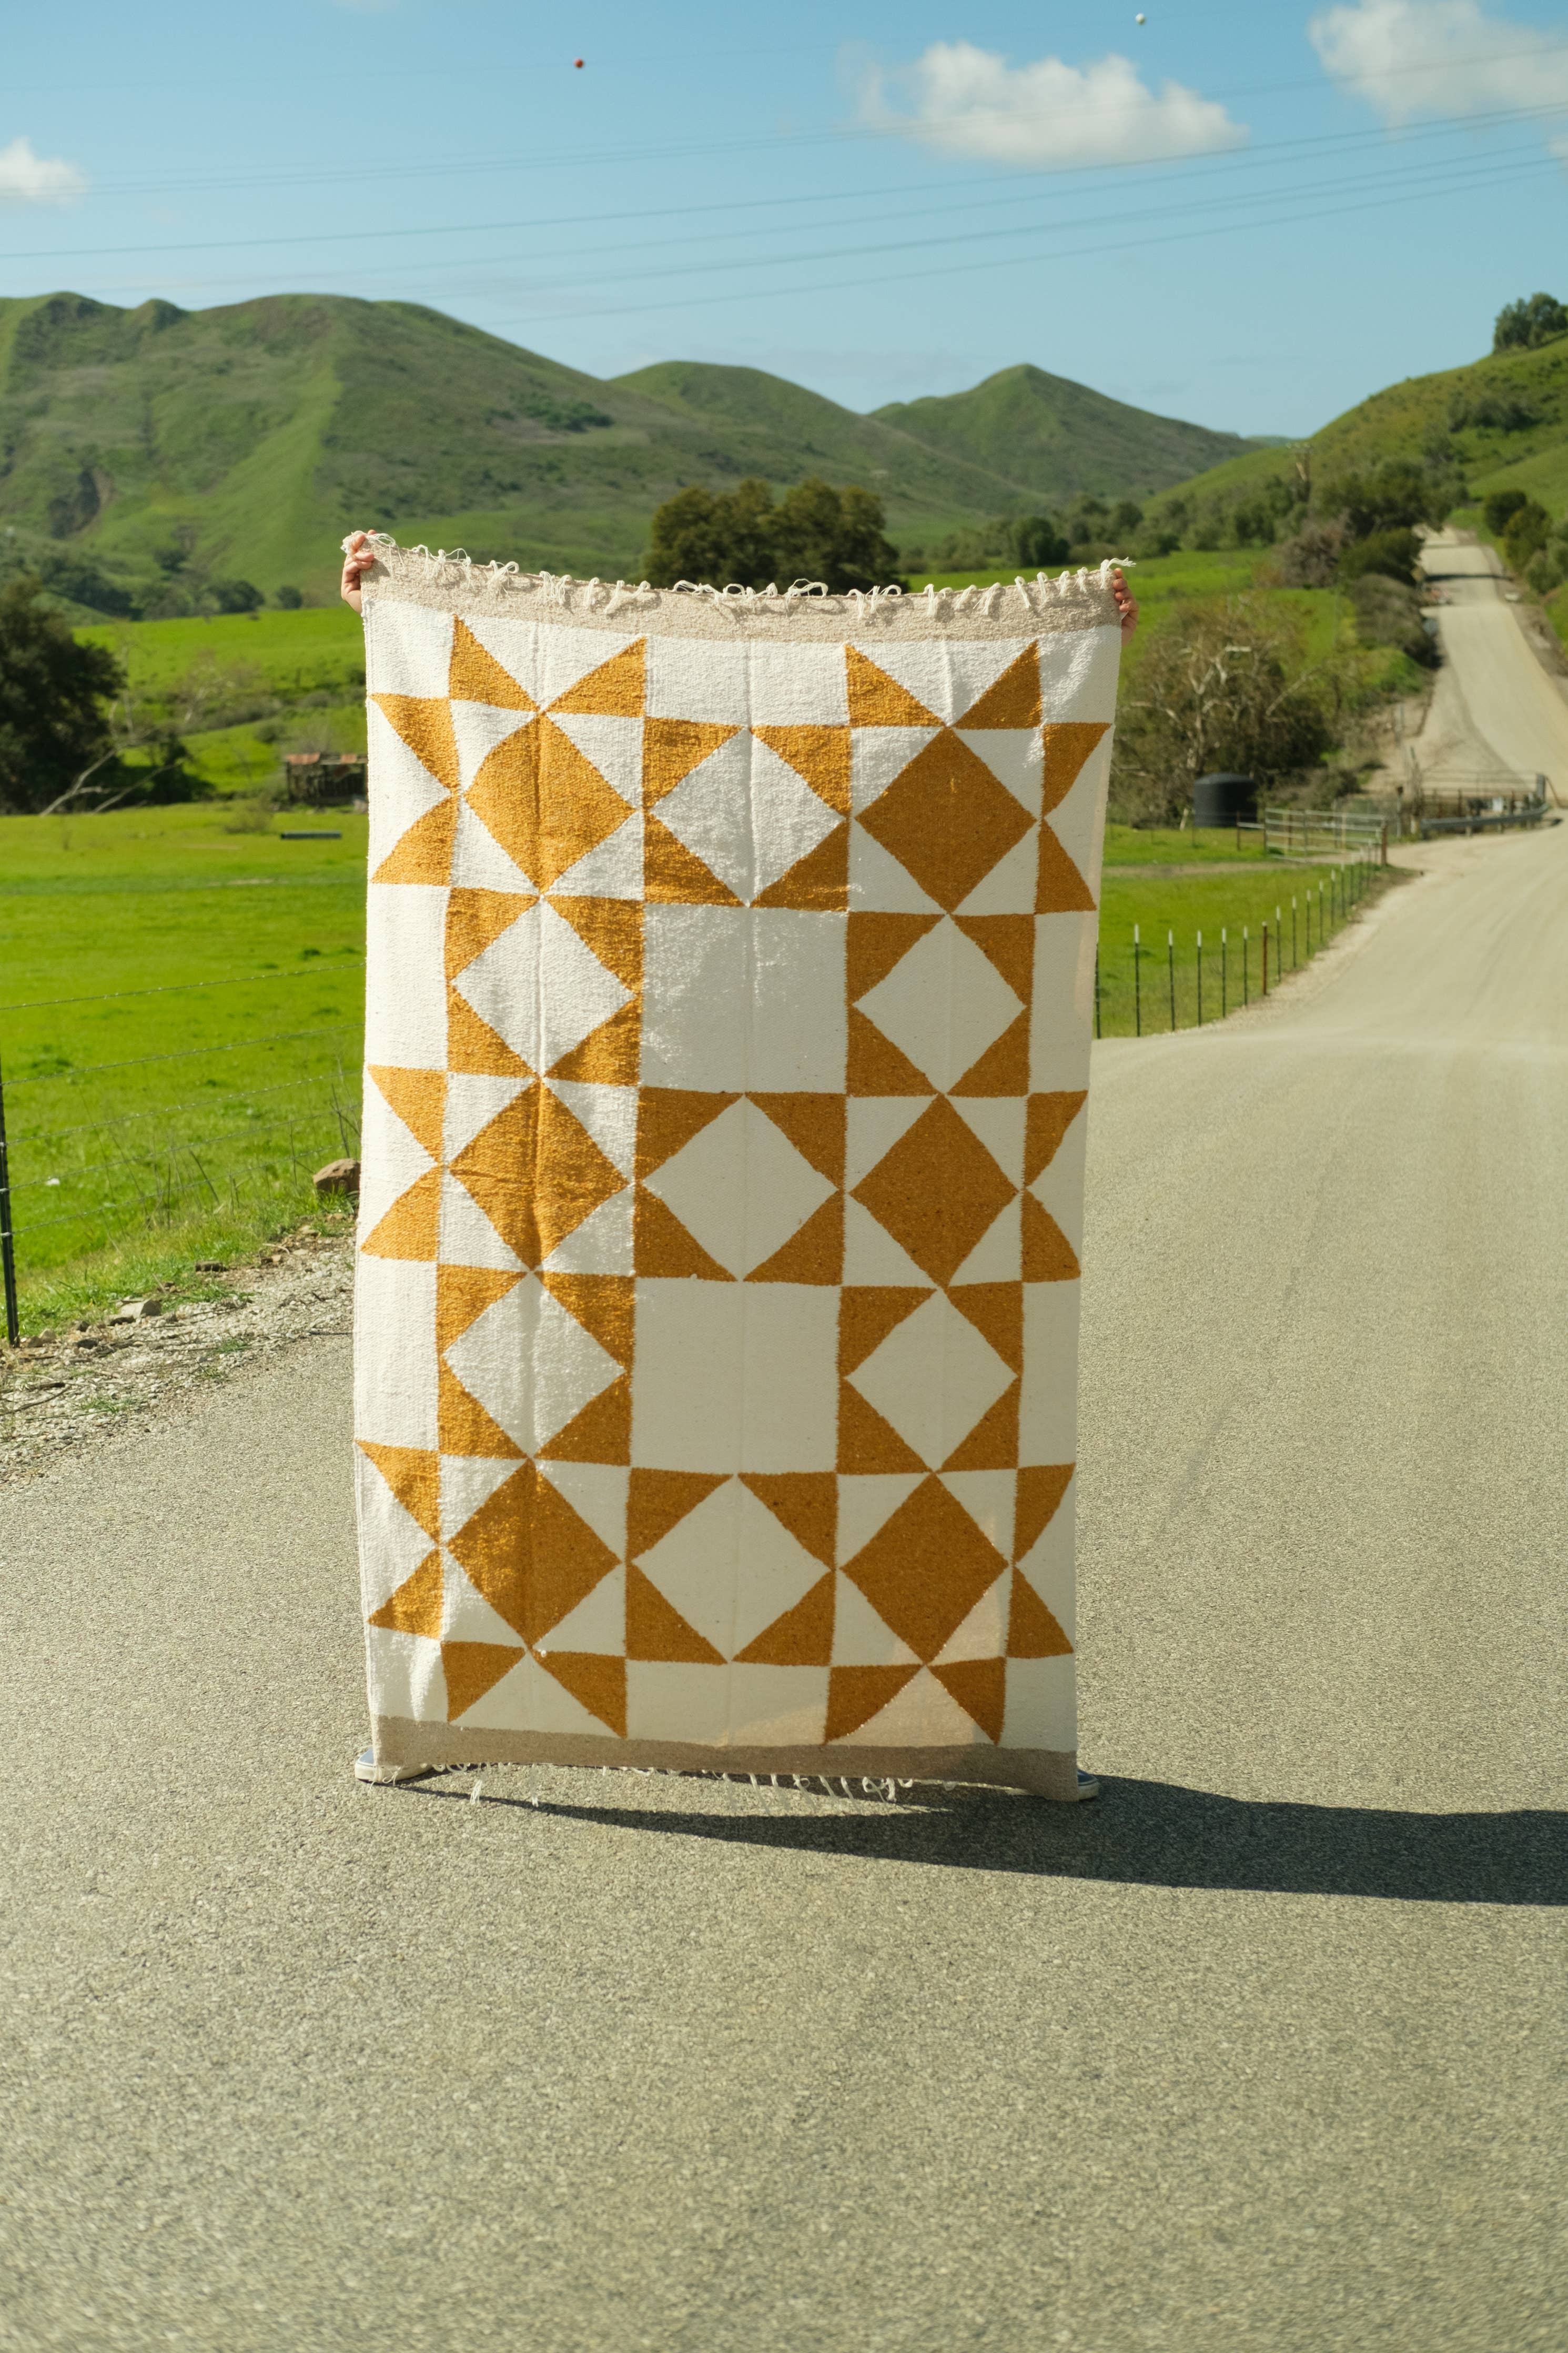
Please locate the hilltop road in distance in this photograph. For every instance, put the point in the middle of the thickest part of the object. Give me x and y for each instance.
(1264, 2053)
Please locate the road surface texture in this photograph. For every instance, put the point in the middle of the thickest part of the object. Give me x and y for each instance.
(1494, 707)
(1266, 2052)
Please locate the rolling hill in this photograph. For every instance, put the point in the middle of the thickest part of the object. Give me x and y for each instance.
(1502, 421)
(1055, 438)
(146, 452)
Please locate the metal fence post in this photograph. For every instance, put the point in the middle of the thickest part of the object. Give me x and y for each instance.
(1200, 980)
(1137, 985)
(7, 1239)
(1265, 990)
(1171, 964)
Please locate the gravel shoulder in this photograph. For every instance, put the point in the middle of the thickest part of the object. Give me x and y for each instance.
(64, 1395)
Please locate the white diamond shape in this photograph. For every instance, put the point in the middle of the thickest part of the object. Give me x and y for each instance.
(943, 1004)
(541, 987)
(729, 1569)
(741, 1188)
(531, 1365)
(932, 1379)
(746, 814)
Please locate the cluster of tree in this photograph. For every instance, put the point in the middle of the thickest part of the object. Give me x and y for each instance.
(1534, 544)
(72, 733)
(1087, 529)
(741, 537)
(1224, 685)
(1492, 412)
(1524, 325)
(1362, 527)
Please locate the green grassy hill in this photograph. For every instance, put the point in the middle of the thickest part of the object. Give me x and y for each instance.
(153, 450)
(1054, 439)
(1503, 420)
(791, 433)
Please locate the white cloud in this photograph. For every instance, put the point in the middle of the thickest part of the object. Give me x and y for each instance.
(1413, 58)
(26, 178)
(967, 101)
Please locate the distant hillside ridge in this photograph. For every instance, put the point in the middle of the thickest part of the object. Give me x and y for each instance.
(1496, 423)
(1056, 438)
(150, 457)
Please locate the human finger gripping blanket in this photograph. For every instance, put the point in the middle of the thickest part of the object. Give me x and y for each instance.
(728, 1003)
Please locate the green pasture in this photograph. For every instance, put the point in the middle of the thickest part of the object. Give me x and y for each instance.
(180, 1020)
(1302, 906)
(181, 1010)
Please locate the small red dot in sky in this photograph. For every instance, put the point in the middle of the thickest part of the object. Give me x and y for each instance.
(576, 61)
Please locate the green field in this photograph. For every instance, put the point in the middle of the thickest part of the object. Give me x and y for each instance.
(181, 1020)
(191, 1108)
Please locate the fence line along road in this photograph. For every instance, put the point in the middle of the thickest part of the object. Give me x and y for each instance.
(1296, 934)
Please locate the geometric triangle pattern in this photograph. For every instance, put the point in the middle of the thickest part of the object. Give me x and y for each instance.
(721, 1222)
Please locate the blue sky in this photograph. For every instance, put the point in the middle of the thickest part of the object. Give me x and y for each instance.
(1251, 215)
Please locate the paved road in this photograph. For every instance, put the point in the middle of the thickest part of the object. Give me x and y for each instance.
(1264, 2053)
(1494, 705)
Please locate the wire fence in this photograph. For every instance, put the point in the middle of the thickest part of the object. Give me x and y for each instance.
(1143, 986)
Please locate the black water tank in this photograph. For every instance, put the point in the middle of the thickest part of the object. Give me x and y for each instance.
(1223, 798)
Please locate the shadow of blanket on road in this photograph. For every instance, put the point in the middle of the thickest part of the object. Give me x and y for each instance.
(1145, 1833)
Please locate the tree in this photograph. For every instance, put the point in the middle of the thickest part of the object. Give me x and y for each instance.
(287, 599)
(1529, 529)
(1037, 540)
(1524, 325)
(836, 536)
(741, 537)
(237, 597)
(1224, 686)
(1500, 509)
(53, 723)
(1391, 498)
(1392, 554)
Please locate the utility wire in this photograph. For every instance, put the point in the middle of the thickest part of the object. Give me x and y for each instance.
(898, 128)
(186, 1054)
(1009, 261)
(176, 988)
(1251, 158)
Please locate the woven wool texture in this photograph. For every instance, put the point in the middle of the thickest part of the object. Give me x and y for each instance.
(730, 995)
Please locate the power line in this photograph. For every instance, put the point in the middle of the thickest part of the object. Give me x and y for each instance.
(186, 1054)
(1253, 157)
(176, 988)
(903, 127)
(1455, 176)
(1009, 261)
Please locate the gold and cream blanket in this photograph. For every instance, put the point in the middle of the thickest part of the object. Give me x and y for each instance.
(730, 993)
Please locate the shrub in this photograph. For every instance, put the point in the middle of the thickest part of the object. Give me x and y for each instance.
(1499, 507)
(1037, 541)
(1529, 528)
(1311, 559)
(1501, 412)
(287, 599)
(1524, 325)
(1392, 553)
(1387, 613)
(235, 596)
(1392, 497)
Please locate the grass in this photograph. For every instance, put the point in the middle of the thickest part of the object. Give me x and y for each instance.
(1135, 977)
(320, 648)
(149, 1129)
